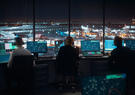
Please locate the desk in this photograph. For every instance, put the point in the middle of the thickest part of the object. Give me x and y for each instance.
(93, 65)
(4, 58)
(87, 65)
(3, 69)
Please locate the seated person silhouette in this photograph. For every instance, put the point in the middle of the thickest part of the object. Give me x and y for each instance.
(122, 61)
(19, 51)
(119, 56)
(20, 69)
(67, 62)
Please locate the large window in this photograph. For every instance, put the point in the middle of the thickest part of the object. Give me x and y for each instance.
(51, 23)
(119, 19)
(15, 20)
(86, 22)
(52, 19)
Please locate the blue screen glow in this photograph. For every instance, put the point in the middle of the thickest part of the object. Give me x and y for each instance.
(37, 47)
(109, 45)
(130, 44)
(90, 45)
(100, 85)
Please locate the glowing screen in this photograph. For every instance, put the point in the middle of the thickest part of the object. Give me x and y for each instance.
(130, 44)
(58, 44)
(10, 46)
(100, 85)
(109, 45)
(2, 48)
(90, 45)
(37, 47)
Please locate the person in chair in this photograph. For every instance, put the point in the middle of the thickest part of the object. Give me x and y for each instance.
(119, 56)
(122, 61)
(67, 61)
(20, 70)
(19, 51)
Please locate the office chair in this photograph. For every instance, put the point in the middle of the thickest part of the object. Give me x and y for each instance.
(22, 73)
(67, 74)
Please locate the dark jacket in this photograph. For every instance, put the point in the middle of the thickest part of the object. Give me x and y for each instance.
(121, 59)
(67, 60)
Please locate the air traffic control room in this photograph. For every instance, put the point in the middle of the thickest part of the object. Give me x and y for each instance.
(98, 62)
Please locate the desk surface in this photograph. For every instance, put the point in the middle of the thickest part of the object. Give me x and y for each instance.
(4, 58)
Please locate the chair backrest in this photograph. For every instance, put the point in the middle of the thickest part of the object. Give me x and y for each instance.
(22, 73)
(22, 62)
(22, 65)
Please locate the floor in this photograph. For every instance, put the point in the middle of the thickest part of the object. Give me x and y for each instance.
(48, 90)
(52, 90)
(59, 93)
(56, 92)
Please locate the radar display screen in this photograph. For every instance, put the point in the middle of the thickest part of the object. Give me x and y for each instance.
(90, 45)
(109, 45)
(2, 48)
(130, 44)
(37, 47)
(104, 85)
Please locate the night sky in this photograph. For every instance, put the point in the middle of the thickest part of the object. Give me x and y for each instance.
(115, 9)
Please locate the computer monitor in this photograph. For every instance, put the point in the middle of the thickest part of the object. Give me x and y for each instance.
(37, 47)
(4, 58)
(58, 45)
(90, 45)
(111, 84)
(109, 45)
(90, 48)
(10, 46)
(130, 44)
(2, 48)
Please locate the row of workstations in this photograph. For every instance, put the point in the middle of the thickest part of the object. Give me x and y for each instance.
(86, 47)
(45, 69)
(94, 75)
(45, 73)
(86, 66)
